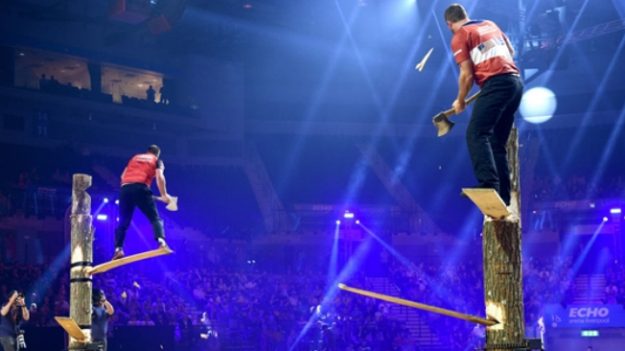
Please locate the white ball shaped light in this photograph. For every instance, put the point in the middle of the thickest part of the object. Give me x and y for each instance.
(538, 105)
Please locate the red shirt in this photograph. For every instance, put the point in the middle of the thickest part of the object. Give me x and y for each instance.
(141, 169)
(486, 46)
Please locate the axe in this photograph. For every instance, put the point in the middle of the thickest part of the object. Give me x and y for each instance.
(441, 120)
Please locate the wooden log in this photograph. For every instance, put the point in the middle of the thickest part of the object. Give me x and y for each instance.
(81, 259)
(503, 289)
(503, 293)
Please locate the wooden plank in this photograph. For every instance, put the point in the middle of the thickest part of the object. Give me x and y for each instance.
(488, 201)
(71, 327)
(420, 306)
(107, 266)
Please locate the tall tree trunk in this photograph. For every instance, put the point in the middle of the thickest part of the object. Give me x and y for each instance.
(81, 257)
(503, 279)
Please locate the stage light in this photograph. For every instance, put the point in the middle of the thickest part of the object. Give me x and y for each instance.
(117, 202)
(338, 222)
(605, 219)
(357, 221)
(102, 217)
(538, 105)
(348, 215)
(615, 210)
(106, 200)
(590, 333)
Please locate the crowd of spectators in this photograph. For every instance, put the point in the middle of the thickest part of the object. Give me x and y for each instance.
(266, 311)
(38, 184)
(615, 284)
(460, 287)
(30, 195)
(271, 309)
(575, 187)
(51, 85)
(40, 187)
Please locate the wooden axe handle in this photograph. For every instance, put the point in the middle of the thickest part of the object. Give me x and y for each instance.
(471, 98)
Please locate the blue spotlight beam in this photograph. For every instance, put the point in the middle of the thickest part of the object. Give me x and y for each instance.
(551, 164)
(358, 176)
(49, 276)
(334, 255)
(609, 148)
(588, 115)
(186, 296)
(314, 105)
(346, 273)
(99, 209)
(438, 290)
(582, 257)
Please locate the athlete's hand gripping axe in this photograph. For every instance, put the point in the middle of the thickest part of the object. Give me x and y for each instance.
(441, 120)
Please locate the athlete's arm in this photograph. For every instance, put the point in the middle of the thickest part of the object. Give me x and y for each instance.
(161, 183)
(465, 82)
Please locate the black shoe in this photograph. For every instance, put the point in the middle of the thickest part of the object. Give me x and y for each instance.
(119, 253)
(162, 244)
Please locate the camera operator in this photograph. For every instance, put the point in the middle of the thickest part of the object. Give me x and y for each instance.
(11, 316)
(102, 311)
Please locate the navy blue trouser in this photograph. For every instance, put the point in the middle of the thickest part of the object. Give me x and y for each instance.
(137, 195)
(489, 129)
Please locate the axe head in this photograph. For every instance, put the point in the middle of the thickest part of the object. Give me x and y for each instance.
(442, 123)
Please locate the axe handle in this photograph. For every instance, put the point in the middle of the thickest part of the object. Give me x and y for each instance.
(471, 98)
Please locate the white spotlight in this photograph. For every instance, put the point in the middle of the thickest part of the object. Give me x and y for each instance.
(538, 105)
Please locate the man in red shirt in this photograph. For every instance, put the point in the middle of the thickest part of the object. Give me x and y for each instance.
(484, 55)
(135, 192)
